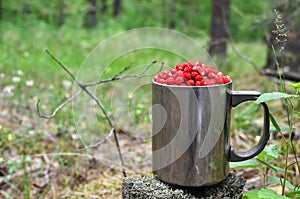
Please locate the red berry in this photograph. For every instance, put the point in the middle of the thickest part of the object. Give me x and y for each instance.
(203, 82)
(179, 67)
(188, 69)
(190, 74)
(164, 76)
(211, 75)
(197, 83)
(179, 80)
(194, 74)
(211, 82)
(198, 77)
(187, 75)
(179, 73)
(161, 81)
(226, 79)
(190, 64)
(199, 63)
(173, 70)
(185, 65)
(191, 82)
(219, 80)
(170, 81)
(201, 71)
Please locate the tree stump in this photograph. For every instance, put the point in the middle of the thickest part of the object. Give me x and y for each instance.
(145, 187)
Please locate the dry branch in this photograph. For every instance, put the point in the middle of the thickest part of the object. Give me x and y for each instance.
(83, 87)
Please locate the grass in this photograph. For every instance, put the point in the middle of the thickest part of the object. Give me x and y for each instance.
(23, 133)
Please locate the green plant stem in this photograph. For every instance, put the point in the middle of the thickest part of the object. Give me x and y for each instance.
(285, 169)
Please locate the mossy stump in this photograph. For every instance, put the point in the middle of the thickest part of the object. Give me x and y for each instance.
(146, 188)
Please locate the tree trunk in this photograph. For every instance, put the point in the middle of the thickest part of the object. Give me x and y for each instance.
(172, 14)
(0, 9)
(219, 28)
(91, 17)
(117, 7)
(61, 13)
(103, 6)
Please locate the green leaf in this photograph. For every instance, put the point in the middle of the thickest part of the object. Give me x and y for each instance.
(296, 86)
(273, 96)
(282, 129)
(272, 151)
(6, 195)
(293, 194)
(251, 194)
(276, 180)
(274, 168)
(297, 113)
(269, 194)
(244, 164)
(275, 124)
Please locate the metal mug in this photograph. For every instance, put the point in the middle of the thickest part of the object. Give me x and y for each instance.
(191, 131)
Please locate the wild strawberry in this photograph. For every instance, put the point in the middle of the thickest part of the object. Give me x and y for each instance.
(164, 76)
(179, 67)
(187, 69)
(198, 77)
(191, 74)
(219, 80)
(211, 82)
(203, 82)
(199, 63)
(187, 75)
(179, 80)
(173, 70)
(190, 64)
(226, 79)
(211, 75)
(191, 82)
(198, 83)
(170, 81)
(194, 74)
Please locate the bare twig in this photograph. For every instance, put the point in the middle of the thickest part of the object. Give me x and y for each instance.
(20, 173)
(99, 142)
(58, 108)
(83, 87)
(116, 77)
(243, 57)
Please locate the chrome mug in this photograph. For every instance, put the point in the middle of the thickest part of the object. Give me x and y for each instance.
(191, 131)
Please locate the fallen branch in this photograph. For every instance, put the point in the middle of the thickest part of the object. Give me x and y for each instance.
(83, 87)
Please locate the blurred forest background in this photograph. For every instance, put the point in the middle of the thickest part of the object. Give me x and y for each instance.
(71, 29)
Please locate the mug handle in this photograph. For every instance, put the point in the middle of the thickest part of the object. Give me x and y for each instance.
(238, 97)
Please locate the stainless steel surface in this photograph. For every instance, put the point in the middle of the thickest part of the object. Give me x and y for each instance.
(190, 134)
(191, 130)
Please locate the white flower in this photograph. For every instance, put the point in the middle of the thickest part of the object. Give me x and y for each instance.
(67, 84)
(16, 79)
(8, 89)
(20, 72)
(29, 83)
(2, 75)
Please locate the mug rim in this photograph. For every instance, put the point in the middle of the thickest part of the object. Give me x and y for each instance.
(178, 86)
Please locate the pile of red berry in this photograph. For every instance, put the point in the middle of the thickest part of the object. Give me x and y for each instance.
(192, 74)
